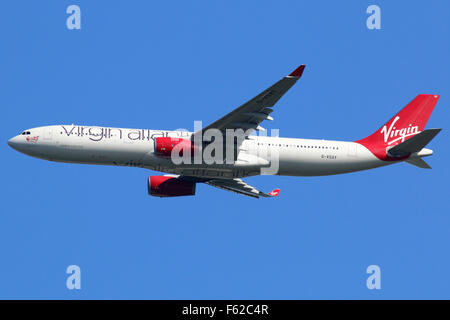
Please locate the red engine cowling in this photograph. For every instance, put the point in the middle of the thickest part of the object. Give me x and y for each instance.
(165, 145)
(163, 186)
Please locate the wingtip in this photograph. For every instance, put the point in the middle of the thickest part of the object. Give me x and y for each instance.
(274, 193)
(297, 73)
(436, 96)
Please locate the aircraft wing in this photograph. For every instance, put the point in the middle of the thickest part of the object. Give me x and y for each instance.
(253, 112)
(241, 187)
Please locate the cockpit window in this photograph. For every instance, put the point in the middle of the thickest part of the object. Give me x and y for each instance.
(25, 133)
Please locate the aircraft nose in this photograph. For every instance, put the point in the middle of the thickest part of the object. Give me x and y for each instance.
(13, 143)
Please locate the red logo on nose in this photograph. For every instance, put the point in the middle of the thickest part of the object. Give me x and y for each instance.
(32, 139)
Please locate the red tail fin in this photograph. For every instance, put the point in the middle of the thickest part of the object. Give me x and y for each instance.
(405, 124)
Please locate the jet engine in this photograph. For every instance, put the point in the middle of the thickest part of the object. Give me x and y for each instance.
(165, 145)
(169, 186)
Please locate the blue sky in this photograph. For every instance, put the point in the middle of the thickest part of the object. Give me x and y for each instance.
(162, 65)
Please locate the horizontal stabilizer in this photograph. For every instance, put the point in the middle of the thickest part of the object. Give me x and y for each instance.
(419, 162)
(414, 144)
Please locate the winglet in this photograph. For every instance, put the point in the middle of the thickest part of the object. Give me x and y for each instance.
(274, 193)
(297, 73)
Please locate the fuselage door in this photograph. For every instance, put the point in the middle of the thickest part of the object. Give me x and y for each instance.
(48, 134)
(352, 150)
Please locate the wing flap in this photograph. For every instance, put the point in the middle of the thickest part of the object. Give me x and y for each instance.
(241, 187)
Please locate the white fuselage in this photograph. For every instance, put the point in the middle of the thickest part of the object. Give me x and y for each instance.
(136, 148)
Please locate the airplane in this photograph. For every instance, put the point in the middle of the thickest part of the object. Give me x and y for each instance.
(402, 139)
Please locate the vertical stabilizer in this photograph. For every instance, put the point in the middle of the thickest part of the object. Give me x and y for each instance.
(410, 121)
